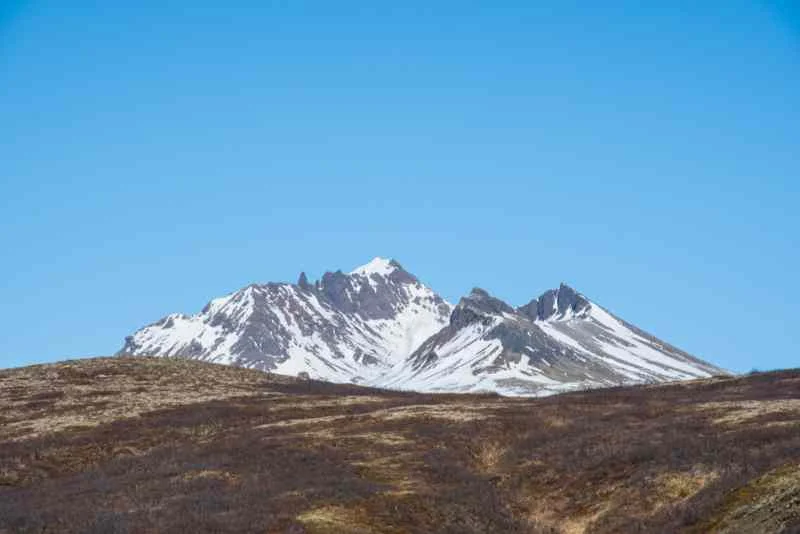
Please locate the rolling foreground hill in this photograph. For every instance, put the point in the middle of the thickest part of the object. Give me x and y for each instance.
(378, 325)
(119, 445)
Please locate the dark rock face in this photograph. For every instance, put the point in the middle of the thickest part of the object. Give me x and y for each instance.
(130, 346)
(555, 302)
(478, 306)
(370, 296)
(547, 304)
(194, 349)
(302, 282)
(570, 300)
(400, 275)
(480, 299)
(334, 286)
(465, 315)
(530, 310)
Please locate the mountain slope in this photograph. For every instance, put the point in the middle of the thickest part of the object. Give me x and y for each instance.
(344, 327)
(559, 342)
(379, 325)
(129, 445)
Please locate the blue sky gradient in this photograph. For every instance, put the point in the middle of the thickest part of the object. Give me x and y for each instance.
(155, 156)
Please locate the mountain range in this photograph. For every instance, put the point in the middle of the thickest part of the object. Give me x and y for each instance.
(379, 325)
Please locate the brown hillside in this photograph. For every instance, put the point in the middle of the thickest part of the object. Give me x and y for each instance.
(136, 445)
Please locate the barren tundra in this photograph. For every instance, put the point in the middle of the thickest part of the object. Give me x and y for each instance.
(167, 445)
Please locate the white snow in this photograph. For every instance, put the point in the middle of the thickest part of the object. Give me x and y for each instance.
(637, 350)
(412, 324)
(378, 265)
(620, 348)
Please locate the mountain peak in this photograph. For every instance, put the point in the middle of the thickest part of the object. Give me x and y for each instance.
(478, 293)
(378, 265)
(302, 281)
(560, 302)
(480, 300)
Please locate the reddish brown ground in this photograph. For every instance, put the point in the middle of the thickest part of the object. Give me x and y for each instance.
(154, 445)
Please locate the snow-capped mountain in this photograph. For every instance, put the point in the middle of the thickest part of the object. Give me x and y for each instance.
(343, 328)
(560, 341)
(379, 325)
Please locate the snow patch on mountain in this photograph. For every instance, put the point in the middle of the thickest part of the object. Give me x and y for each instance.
(379, 266)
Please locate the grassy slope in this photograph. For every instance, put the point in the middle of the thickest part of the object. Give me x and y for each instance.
(155, 445)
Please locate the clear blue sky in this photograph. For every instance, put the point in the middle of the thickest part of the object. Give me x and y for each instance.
(155, 156)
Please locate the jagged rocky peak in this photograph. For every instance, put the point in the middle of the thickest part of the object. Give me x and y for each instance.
(375, 290)
(480, 306)
(376, 271)
(559, 303)
(556, 303)
(530, 310)
(569, 301)
(345, 326)
(302, 282)
(480, 299)
(379, 266)
(384, 268)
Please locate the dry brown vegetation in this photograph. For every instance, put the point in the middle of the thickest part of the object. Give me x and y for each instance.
(123, 445)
